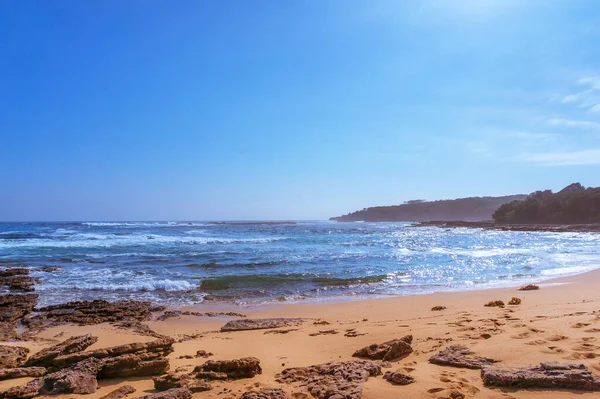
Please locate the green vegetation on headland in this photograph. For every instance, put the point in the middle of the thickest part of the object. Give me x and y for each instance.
(467, 209)
(574, 204)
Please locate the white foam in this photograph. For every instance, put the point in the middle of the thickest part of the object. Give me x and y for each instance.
(140, 286)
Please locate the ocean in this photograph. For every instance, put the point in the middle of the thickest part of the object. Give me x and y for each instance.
(188, 263)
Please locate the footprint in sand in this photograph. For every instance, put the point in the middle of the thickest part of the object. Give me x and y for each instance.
(556, 337)
(580, 325)
(592, 330)
(536, 342)
(553, 350)
(522, 335)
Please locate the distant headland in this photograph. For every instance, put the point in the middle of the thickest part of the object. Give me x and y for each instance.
(573, 205)
(473, 209)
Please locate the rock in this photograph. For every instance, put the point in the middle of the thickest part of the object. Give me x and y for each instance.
(203, 353)
(389, 350)
(546, 375)
(498, 303)
(50, 269)
(324, 332)
(14, 306)
(20, 372)
(260, 324)
(147, 350)
(134, 365)
(99, 311)
(180, 380)
(178, 313)
(15, 271)
(45, 357)
(8, 331)
(138, 328)
(266, 393)
(120, 392)
(397, 378)
(460, 356)
(437, 308)
(515, 301)
(247, 367)
(12, 356)
(79, 379)
(335, 380)
(19, 283)
(175, 393)
(529, 287)
(26, 391)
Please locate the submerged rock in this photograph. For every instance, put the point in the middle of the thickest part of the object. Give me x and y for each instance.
(45, 357)
(397, 378)
(120, 392)
(389, 350)
(14, 271)
(460, 356)
(260, 324)
(20, 372)
(247, 367)
(546, 375)
(12, 356)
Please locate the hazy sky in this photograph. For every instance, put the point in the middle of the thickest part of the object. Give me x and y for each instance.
(299, 109)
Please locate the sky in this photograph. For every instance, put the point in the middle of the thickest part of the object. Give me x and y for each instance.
(305, 109)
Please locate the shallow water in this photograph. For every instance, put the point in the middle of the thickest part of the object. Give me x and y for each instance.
(188, 263)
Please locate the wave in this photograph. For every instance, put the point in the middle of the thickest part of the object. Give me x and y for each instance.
(265, 281)
(216, 265)
(141, 224)
(141, 286)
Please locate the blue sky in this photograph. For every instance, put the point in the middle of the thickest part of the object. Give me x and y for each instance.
(234, 110)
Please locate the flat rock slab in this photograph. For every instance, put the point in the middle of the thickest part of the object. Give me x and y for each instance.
(460, 356)
(247, 367)
(175, 393)
(20, 372)
(260, 324)
(340, 380)
(120, 392)
(266, 393)
(12, 356)
(546, 375)
(45, 357)
(389, 350)
(99, 311)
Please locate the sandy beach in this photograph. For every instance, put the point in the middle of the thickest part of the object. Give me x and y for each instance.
(558, 323)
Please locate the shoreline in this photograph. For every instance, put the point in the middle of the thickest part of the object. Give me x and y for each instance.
(558, 323)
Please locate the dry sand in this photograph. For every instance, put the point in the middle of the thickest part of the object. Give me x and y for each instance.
(560, 322)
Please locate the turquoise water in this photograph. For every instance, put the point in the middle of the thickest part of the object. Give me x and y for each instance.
(188, 263)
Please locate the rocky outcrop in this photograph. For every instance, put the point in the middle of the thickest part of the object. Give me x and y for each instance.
(20, 372)
(266, 393)
(19, 283)
(181, 380)
(546, 375)
(99, 311)
(247, 367)
(495, 304)
(397, 378)
(146, 350)
(178, 313)
(120, 392)
(45, 357)
(12, 356)
(332, 380)
(134, 365)
(14, 271)
(175, 393)
(460, 356)
(79, 379)
(388, 351)
(260, 324)
(13, 307)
